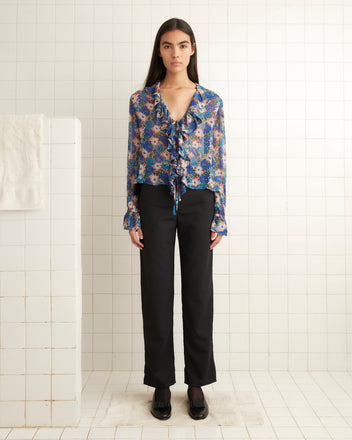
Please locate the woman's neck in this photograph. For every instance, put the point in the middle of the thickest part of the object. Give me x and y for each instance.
(176, 80)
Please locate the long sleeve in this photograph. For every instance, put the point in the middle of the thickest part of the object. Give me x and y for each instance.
(132, 217)
(219, 222)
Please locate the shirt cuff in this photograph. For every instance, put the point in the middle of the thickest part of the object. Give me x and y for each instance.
(131, 220)
(219, 225)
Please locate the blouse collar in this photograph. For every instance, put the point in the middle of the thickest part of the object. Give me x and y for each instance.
(195, 109)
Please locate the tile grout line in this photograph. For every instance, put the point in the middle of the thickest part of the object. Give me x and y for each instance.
(344, 389)
(261, 401)
(347, 315)
(92, 426)
(284, 400)
(242, 423)
(329, 374)
(307, 400)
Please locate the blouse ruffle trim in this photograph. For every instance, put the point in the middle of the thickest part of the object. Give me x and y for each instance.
(178, 137)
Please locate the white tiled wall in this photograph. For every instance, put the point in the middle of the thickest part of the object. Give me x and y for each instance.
(283, 275)
(40, 292)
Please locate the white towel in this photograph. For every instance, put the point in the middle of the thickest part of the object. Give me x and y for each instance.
(21, 162)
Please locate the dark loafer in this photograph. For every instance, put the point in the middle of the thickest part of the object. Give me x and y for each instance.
(198, 409)
(161, 409)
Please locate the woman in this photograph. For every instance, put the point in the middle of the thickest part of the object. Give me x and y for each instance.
(176, 181)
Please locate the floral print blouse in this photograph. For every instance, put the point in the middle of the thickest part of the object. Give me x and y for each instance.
(186, 153)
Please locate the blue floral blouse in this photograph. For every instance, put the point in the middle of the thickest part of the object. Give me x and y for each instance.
(186, 153)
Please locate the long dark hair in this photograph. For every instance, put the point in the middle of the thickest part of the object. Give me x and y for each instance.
(157, 69)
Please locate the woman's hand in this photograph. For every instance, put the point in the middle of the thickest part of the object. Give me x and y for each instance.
(214, 241)
(136, 239)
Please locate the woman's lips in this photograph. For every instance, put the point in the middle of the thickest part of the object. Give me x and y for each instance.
(176, 63)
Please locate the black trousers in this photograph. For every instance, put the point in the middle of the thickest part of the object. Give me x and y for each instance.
(192, 222)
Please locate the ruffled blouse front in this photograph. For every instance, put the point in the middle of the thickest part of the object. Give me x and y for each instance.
(189, 153)
(178, 136)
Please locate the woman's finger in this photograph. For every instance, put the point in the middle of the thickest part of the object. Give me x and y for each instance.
(215, 242)
(213, 235)
(135, 239)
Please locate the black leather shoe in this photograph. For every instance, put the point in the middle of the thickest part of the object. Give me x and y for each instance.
(197, 409)
(161, 409)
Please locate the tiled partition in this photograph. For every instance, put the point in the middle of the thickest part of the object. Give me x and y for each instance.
(40, 292)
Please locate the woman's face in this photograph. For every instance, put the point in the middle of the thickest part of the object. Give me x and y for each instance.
(175, 49)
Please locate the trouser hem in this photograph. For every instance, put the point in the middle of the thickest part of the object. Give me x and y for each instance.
(199, 384)
(153, 384)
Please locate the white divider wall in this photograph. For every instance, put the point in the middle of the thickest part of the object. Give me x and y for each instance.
(40, 292)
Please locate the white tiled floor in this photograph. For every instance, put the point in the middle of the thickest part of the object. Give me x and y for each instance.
(296, 405)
